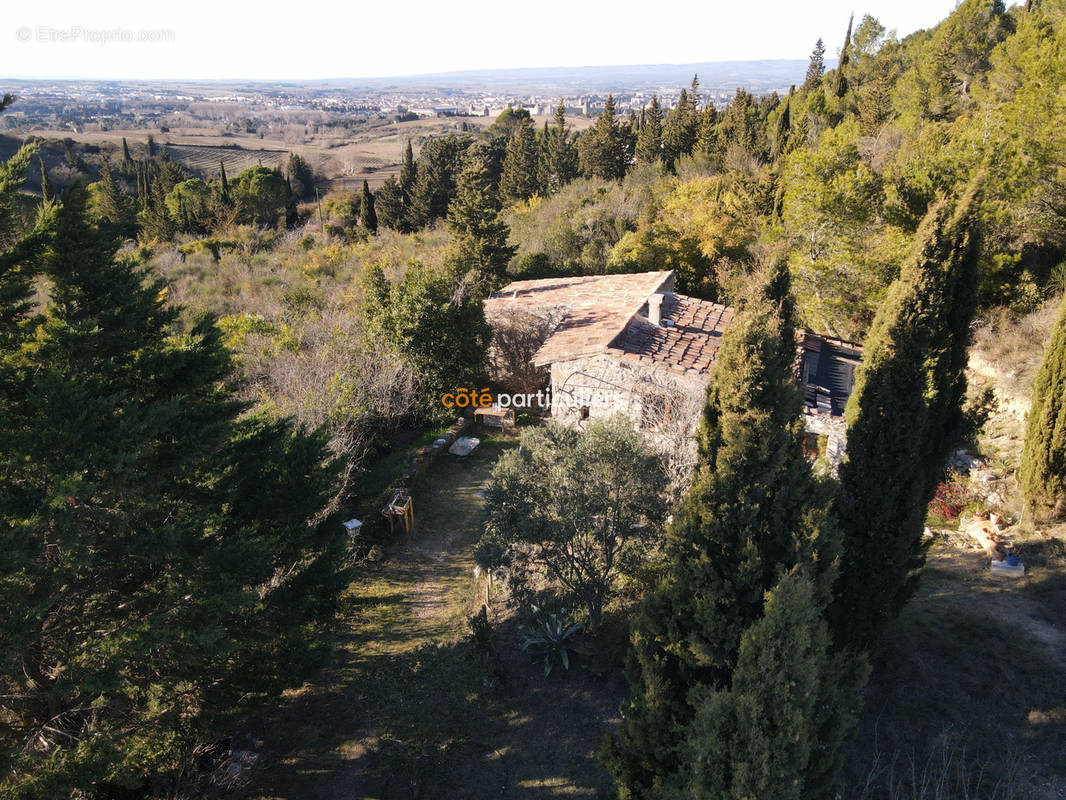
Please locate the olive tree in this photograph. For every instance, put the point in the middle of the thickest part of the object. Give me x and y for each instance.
(575, 510)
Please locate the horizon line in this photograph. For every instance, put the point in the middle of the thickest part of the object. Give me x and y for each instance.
(403, 76)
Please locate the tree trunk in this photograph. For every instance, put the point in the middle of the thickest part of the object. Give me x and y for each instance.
(595, 609)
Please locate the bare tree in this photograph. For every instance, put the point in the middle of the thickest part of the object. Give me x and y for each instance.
(517, 335)
(669, 413)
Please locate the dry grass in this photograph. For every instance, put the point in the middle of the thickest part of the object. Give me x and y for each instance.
(1011, 347)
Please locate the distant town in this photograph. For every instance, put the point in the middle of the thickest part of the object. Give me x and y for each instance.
(99, 106)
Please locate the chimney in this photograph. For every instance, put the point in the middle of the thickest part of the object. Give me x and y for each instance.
(655, 305)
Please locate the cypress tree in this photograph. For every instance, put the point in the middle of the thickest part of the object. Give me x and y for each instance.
(126, 158)
(751, 512)
(439, 164)
(765, 736)
(18, 248)
(143, 183)
(840, 84)
(902, 415)
(681, 128)
(408, 176)
(784, 125)
(388, 204)
(368, 218)
(519, 179)
(874, 103)
(46, 185)
(707, 138)
(1043, 471)
(154, 219)
(223, 181)
(650, 139)
(157, 570)
(301, 177)
(740, 123)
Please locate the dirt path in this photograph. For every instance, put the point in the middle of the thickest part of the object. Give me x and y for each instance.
(410, 709)
(316, 745)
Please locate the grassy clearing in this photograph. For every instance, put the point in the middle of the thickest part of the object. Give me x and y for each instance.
(411, 708)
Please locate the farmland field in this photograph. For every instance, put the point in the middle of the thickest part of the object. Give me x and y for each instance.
(344, 162)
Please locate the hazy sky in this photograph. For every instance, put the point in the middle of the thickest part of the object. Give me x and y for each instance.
(356, 38)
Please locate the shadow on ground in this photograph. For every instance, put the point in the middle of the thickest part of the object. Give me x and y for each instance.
(410, 708)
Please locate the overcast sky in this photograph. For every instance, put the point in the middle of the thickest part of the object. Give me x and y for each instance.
(326, 39)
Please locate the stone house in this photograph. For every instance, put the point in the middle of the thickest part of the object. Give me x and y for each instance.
(629, 343)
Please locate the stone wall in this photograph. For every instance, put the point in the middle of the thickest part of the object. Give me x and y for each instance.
(601, 385)
(664, 406)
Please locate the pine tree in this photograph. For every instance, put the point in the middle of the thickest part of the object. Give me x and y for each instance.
(559, 160)
(113, 205)
(816, 67)
(707, 137)
(681, 127)
(650, 139)
(903, 412)
(480, 237)
(439, 164)
(840, 84)
(368, 218)
(519, 179)
(752, 512)
(603, 147)
(157, 570)
(1043, 471)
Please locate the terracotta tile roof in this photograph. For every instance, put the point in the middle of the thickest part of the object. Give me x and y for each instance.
(687, 341)
(594, 309)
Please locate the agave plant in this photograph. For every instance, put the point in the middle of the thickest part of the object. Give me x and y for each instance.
(548, 639)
